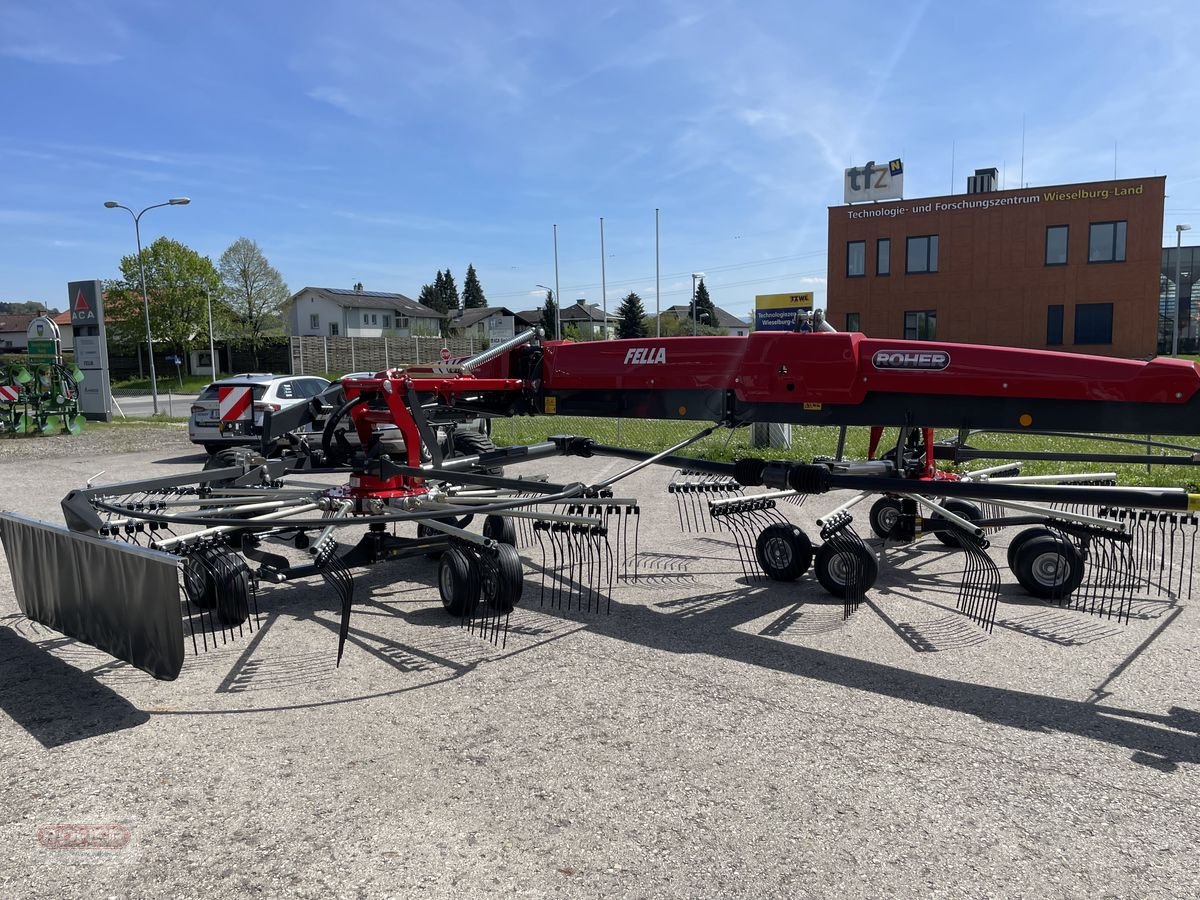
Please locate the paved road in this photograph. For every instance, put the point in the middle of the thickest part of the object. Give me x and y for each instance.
(708, 738)
(139, 405)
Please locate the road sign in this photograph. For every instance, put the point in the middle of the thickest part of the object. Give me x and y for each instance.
(43, 351)
(445, 354)
(9, 393)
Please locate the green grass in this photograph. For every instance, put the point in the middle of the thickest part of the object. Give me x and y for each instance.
(191, 384)
(808, 442)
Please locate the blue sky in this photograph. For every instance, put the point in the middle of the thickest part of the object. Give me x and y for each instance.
(382, 141)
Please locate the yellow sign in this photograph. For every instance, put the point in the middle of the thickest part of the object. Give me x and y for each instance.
(802, 300)
(551, 406)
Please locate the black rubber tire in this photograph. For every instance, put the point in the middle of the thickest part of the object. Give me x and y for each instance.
(458, 582)
(832, 568)
(472, 443)
(501, 529)
(962, 508)
(1049, 567)
(424, 531)
(1022, 537)
(232, 456)
(883, 515)
(783, 551)
(502, 580)
(198, 582)
(218, 580)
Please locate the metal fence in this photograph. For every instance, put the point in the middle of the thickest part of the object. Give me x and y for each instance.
(316, 355)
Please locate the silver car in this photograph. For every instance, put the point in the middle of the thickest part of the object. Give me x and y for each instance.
(274, 392)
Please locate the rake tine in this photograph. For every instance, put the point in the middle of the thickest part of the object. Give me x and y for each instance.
(539, 527)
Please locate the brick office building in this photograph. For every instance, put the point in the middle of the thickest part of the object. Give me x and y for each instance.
(1065, 267)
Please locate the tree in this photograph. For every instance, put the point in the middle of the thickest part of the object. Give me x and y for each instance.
(177, 282)
(27, 308)
(431, 296)
(450, 292)
(549, 317)
(631, 313)
(703, 307)
(472, 295)
(254, 295)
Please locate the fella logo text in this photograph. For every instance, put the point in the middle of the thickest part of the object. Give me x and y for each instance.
(923, 360)
(646, 355)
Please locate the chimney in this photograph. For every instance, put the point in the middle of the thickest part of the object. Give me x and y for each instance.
(983, 181)
(581, 301)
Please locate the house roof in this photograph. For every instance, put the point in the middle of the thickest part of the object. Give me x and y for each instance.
(468, 317)
(725, 319)
(582, 311)
(15, 324)
(372, 300)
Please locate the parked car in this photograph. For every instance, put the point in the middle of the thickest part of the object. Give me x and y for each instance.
(274, 392)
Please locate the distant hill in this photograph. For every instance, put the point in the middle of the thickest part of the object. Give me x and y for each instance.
(26, 308)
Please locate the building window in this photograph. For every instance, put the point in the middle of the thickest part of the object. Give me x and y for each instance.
(366, 319)
(883, 256)
(387, 320)
(852, 322)
(856, 259)
(333, 329)
(1056, 245)
(401, 321)
(1054, 323)
(920, 324)
(922, 254)
(314, 321)
(1093, 323)
(1106, 242)
(374, 318)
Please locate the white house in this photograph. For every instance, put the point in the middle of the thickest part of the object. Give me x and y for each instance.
(495, 323)
(334, 312)
(589, 319)
(733, 326)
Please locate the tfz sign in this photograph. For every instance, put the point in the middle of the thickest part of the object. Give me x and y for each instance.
(872, 182)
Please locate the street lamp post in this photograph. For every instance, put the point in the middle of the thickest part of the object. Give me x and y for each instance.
(695, 275)
(554, 294)
(137, 218)
(212, 347)
(1179, 230)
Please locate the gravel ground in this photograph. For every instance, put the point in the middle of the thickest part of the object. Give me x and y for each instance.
(97, 441)
(708, 738)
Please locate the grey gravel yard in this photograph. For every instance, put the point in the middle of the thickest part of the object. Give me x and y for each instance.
(708, 738)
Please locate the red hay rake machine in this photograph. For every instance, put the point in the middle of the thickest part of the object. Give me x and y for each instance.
(145, 568)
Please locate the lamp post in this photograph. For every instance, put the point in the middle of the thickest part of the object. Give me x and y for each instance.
(557, 305)
(695, 275)
(1179, 230)
(554, 294)
(212, 347)
(137, 218)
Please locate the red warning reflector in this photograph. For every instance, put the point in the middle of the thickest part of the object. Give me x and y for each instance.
(235, 403)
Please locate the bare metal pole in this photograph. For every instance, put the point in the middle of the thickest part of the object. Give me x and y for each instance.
(212, 349)
(603, 284)
(557, 293)
(657, 288)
